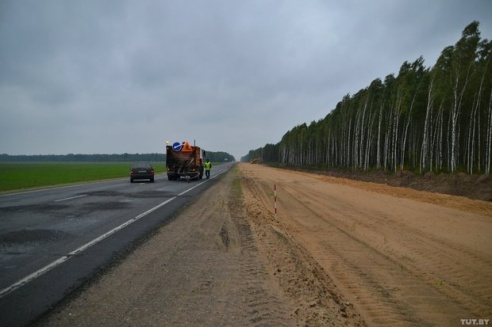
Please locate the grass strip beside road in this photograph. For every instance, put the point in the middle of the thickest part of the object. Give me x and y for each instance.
(18, 176)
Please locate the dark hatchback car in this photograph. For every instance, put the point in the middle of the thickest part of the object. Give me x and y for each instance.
(142, 170)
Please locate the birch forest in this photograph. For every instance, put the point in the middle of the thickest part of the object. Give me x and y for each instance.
(424, 119)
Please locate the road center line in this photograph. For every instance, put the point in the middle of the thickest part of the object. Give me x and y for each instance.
(70, 198)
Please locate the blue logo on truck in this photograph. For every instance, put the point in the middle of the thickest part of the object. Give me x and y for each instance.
(177, 146)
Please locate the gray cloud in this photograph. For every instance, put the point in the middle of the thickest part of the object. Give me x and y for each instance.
(125, 76)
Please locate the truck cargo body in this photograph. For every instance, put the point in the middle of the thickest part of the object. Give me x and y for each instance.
(184, 161)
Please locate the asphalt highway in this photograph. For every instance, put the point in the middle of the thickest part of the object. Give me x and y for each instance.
(53, 240)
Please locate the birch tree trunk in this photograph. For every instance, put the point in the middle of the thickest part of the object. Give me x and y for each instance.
(378, 143)
(424, 152)
(488, 150)
(405, 133)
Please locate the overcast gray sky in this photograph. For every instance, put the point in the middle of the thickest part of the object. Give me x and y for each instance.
(125, 76)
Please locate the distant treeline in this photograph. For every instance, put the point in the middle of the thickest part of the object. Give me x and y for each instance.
(218, 156)
(125, 157)
(424, 119)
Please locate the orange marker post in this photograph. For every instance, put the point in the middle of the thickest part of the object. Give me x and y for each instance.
(275, 198)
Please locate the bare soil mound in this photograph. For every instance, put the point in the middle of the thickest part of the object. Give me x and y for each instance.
(478, 187)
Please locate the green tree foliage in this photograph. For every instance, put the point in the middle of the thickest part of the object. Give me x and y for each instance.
(423, 119)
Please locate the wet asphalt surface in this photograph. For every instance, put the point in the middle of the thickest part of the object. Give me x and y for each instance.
(54, 240)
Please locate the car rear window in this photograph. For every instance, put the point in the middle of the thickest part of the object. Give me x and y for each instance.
(142, 165)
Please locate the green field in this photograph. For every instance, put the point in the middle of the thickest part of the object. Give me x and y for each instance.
(16, 176)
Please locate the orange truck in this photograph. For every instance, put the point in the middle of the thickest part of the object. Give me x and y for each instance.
(184, 161)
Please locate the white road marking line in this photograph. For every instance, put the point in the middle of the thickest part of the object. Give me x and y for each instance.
(211, 177)
(70, 198)
(64, 258)
(191, 188)
(57, 187)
